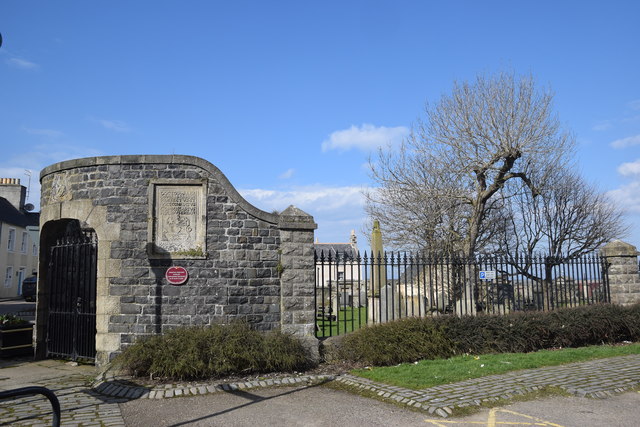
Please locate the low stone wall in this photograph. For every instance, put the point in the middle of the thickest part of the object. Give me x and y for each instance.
(155, 212)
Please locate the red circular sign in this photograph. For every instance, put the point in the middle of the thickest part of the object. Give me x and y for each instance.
(176, 275)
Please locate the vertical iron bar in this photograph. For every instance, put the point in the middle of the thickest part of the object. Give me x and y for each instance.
(368, 290)
(330, 310)
(315, 293)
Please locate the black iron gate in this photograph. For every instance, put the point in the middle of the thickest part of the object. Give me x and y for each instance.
(71, 326)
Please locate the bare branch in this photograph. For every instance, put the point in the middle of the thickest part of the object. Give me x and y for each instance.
(449, 184)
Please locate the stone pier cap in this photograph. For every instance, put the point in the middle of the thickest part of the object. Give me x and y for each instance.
(619, 248)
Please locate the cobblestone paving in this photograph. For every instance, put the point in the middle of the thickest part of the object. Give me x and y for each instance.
(96, 404)
(116, 387)
(595, 379)
(79, 404)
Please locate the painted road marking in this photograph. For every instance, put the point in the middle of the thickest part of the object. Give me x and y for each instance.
(493, 422)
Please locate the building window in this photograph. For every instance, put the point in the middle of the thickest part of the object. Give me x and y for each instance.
(34, 250)
(20, 279)
(8, 277)
(340, 275)
(25, 240)
(12, 240)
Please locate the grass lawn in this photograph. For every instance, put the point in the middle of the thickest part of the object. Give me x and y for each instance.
(348, 320)
(428, 373)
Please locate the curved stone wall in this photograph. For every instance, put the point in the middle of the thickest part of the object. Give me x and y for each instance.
(154, 212)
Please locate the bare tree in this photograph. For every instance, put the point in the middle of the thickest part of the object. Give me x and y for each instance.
(570, 218)
(447, 184)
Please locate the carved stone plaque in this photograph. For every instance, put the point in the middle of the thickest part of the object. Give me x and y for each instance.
(179, 220)
(59, 191)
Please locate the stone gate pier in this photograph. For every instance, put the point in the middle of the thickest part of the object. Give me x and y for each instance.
(624, 277)
(153, 212)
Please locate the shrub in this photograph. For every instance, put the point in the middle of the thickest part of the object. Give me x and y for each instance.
(204, 352)
(632, 322)
(395, 342)
(11, 320)
(411, 339)
(514, 333)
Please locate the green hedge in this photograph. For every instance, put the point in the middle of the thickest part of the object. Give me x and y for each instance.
(213, 351)
(395, 342)
(413, 339)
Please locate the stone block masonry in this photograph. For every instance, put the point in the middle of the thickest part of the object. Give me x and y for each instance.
(297, 267)
(624, 277)
(154, 212)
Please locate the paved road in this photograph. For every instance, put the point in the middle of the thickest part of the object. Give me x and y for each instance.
(619, 411)
(288, 406)
(304, 405)
(320, 406)
(25, 309)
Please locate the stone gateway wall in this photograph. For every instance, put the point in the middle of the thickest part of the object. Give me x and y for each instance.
(151, 213)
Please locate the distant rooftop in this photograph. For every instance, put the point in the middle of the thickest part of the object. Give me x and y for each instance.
(20, 218)
(333, 249)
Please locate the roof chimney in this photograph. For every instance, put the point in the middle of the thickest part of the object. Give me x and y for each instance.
(11, 190)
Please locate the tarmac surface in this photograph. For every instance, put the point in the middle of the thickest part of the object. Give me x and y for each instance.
(91, 399)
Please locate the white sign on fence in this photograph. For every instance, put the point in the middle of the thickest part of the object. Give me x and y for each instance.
(488, 275)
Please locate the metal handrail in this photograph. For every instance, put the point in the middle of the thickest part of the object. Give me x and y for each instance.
(28, 391)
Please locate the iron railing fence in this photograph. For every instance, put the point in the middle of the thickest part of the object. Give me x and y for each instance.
(352, 291)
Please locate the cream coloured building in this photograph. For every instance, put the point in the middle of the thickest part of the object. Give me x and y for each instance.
(18, 238)
(338, 277)
(336, 262)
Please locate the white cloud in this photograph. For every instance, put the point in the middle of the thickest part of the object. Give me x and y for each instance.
(287, 174)
(607, 124)
(314, 198)
(630, 119)
(626, 142)
(602, 125)
(113, 125)
(336, 210)
(49, 133)
(366, 137)
(630, 168)
(627, 197)
(43, 155)
(22, 63)
(35, 159)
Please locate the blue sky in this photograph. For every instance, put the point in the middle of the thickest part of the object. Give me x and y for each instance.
(289, 98)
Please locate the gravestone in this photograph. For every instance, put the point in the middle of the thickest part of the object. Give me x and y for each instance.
(390, 304)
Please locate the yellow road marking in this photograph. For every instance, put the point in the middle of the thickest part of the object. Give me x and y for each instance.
(492, 421)
(545, 423)
(442, 423)
(484, 423)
